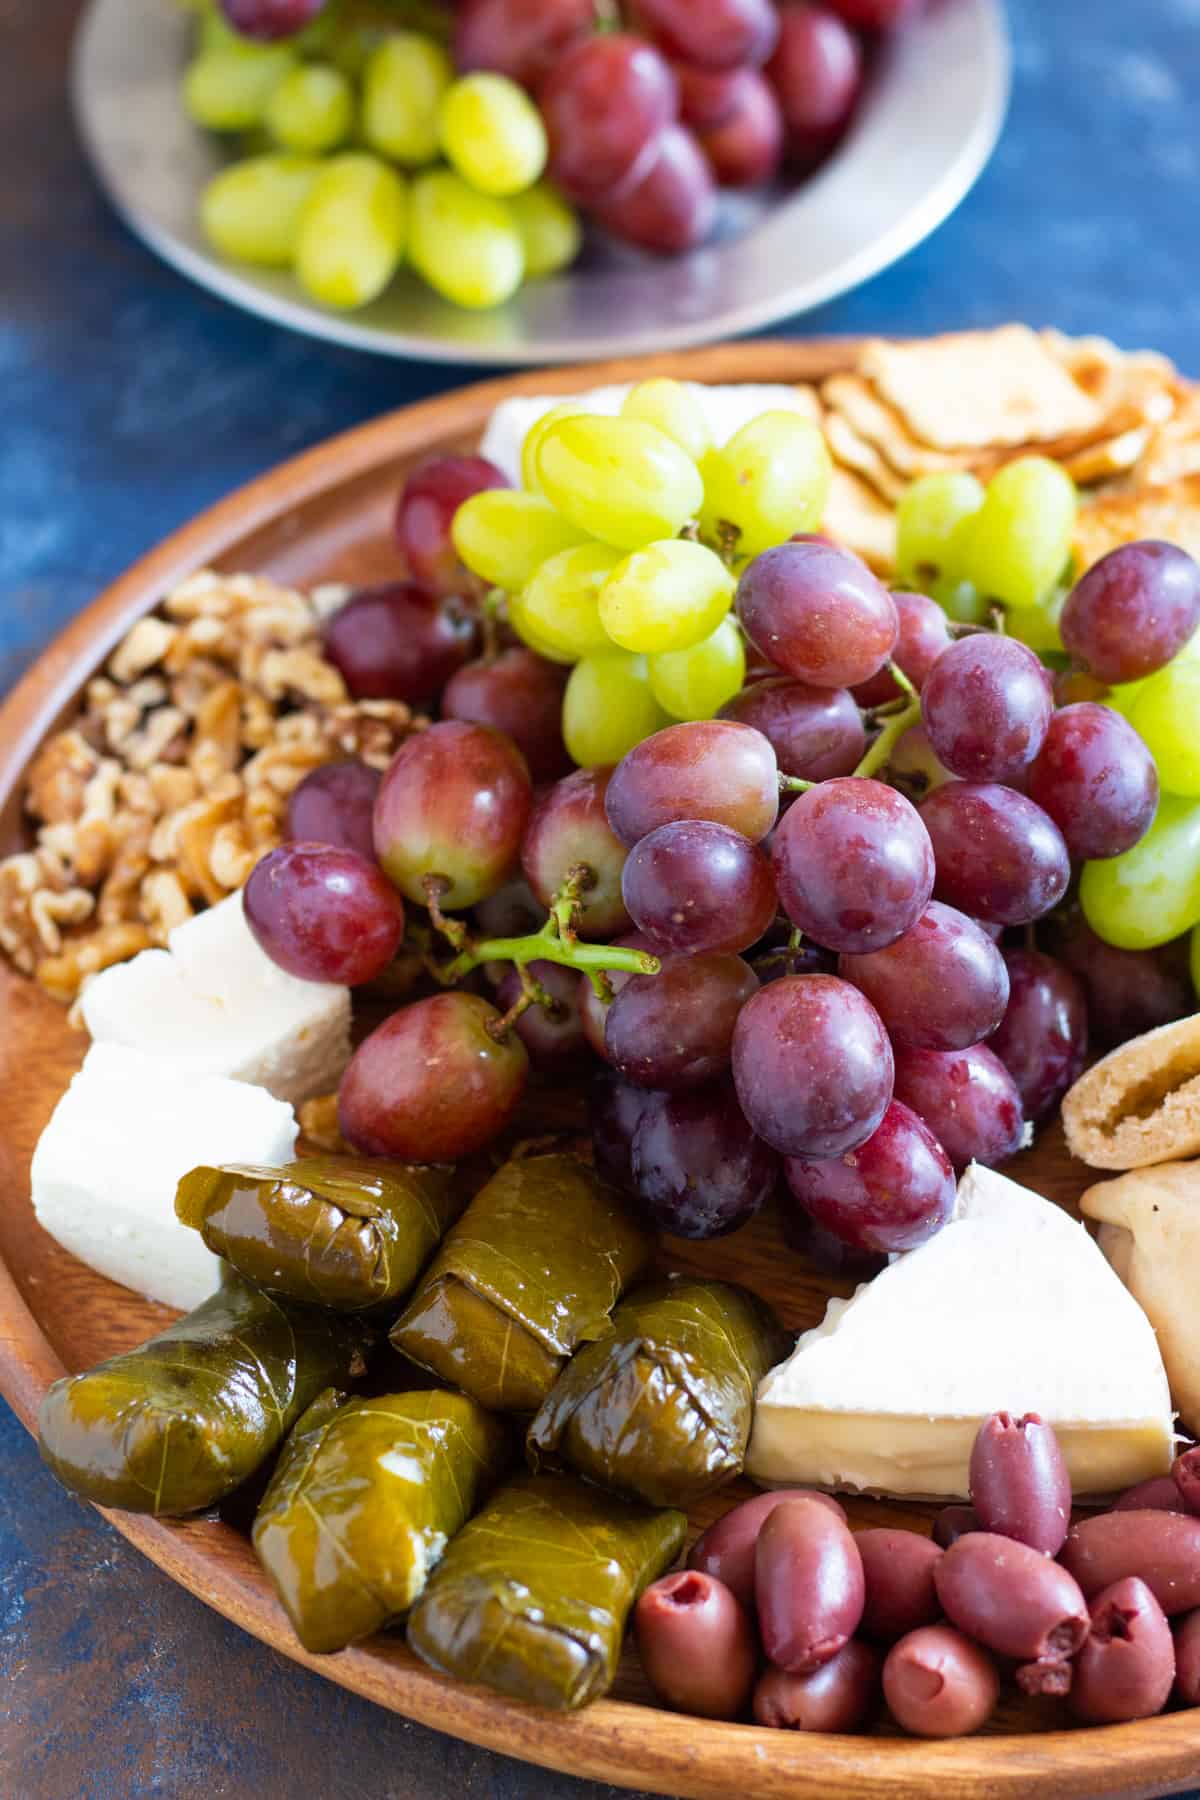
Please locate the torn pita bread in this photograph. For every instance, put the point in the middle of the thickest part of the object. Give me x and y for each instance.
(1140, 1104)
(1171, 512)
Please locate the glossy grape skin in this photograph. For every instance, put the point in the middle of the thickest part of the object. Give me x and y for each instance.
(698, 1169)
(464, 243)
(592, 1010)
(311, 110)
(669, 595)
(707, 96)
(815, 732)
(609, 706)
(967, 1098)
(615, 1110)
(1043, 1038)
(769, 482)
(557, 613)
(674, 407)
(604, 101)
(519, 38)
(268, 20)
(430, 1084)
(404, 80)
(1164, 715)
(746, 147)
(692, 886)
(504, 536)
(425, 513)
(1096, 779)
(568, 828)
(924, 634)
(1128, 991)
(1151, 894)
(696, 683)
(812, 1065)
(1017, 544)
(551, 1037)
(817, 71)
(520, 694)
(251, 210)
(492, 133)
(931, 521)
(892, 1193)
(999, 857)
(453, 806)
(1133, 610)
(621, 480)
(722, 34)
(942, 986)
(549, 228)
(818, 613)
(853, 863)
(323, 913)
(669, 204)
(397, 642)
(226, 87)
(353, 231)
(987, 705)
(711, 769)
(334, 805)
(674, 1030)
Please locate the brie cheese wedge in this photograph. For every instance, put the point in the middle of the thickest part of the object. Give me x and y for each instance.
(107, 1165)
(726, 408)
(1011, 1307)
(214, 1003)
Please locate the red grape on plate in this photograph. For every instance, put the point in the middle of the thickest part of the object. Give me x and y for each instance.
(669, 203)
(519, 693)
(815, 732)
(812, 1065)
(1096, 779)
(397, 642)
(268, 20)
(890, 1194)
(967, 1098)
(569, 829)
(713, 769)
(1043, 1038)
(674, 1030)
(694, 886)
(518, 38)
(323, 913)
(817, 71)
(334, 804)
(942, 986)
(853, 863)
(818, 613)
(987, 704)
(875, 15)
(999, 857)
(551, 1035)
(1128, 991)
(924, 634)
(425, 512)
(1133, 610)
(615, 1110)
(593, 1011)
(698, 1168)
(605, 101)
(717, 34)
(746, 147)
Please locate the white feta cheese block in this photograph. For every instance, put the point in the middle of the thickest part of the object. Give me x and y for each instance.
(107, 1165)
(1011, 1306)
(726, 407)
(214, 1003)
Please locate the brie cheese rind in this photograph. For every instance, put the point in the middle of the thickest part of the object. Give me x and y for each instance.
(1010, 1307)
(107, 1165)
(214, 1003)
(726, 408)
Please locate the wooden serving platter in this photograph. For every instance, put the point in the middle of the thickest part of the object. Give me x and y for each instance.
(326, 516)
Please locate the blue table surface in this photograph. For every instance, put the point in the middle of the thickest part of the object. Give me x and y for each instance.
(128, 401)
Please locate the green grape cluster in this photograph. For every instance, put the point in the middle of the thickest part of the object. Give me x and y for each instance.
(374, 155)
(619, 552)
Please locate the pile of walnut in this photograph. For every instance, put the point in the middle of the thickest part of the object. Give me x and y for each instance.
(174, 778)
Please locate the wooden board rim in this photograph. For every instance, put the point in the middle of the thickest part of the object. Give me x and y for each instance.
(613, 1741)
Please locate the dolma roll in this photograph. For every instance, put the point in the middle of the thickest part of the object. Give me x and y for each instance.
(533, 1595)
(180, 1422)
(661, 1409)
(532, 1270)
(365, 1498)
(348, 1232)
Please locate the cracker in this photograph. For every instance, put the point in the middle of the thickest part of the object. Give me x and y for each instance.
(1140, 1104)
(1173, 449)
(853, 452)
(1171, 512)
(859, 519)
(810, 406)
(873, 420)
(980, 389)
(1107, 457)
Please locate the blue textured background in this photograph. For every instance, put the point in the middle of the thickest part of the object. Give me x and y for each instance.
(129, 400)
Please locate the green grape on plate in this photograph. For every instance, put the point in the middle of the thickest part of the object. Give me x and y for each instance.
(492, 133)
(1194, 960)
(675, 409)
(1166, 714)
(695, 683)
(620, 480)
(532, 442)
(227, 88)
(1017, 545)
(929, 528)
(608, 708)
(504, 536)
(771, 479)
(666, 596)
(251, 211)
(558, 612)
(1151, 894)
(352, 230)
(464, 243)
(550, 231)
(404, 81)
(311, 109)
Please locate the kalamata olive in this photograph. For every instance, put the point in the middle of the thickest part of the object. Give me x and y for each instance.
(1162, 1547)
(808, 1583)
(1185, 1473)
(1045, 1678)
(937, 1683)
(898, 1572)
(1020, 1487)
(726, 1549)
(1159, 1494)
(1187, 1659)
(1012, 1598)
(954, 1522)
(839, 1696)
(1126, 1668)
(696, 1645)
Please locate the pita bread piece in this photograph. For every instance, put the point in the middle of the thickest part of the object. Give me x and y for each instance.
(1140, 1104)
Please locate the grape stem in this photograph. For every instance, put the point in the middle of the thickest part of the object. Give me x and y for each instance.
(895, 724)
(794, 784)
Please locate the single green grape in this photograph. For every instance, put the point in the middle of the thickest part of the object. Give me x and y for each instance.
(666, 596)
(558, 612)
(1195, 960)
(492, 133)
(959, 600)
(620, 480)
(251, 211)
(929, 522)
(312, 109)
(609, 707)
(227, 88)
(351, 236)
(770, 480)
(696, 683)
(550, 230)
(1018, 543)
(675, 409)
(1167, 717)
(464, 243)
(1037, 626)
(566, 409)
(504, 536)
(404, 81)
(1151, 894)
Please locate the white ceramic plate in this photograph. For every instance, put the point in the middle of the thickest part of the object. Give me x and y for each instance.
(924, 133)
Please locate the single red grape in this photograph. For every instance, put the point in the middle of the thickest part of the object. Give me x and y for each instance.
(431, 1084)
(890, 1194)
(720, 34)
(875, 15)
(987, 704)
(425, 512)
(1096, 779)
(853, 863)
(604, 101)
(518, 38)
(615, 1110)
(552, 1035)
(818, 613)
(333, 805)
(569, 829)
(924, 634)
(708, 96)
(815, 732)
(323, 913)
(593, 1011)
(695, 886)
(1043, 1038)
(711, 769)
(812, 1065)
(1133, 610)
(669, 204)
(817, 71)
(942, 986)
(999, 856)
(520, 694)
(268, 20)
(967, 1098)
(399, 643)
(1128, 991)
(746, 148)
(675, 1029)
(698, 1169)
